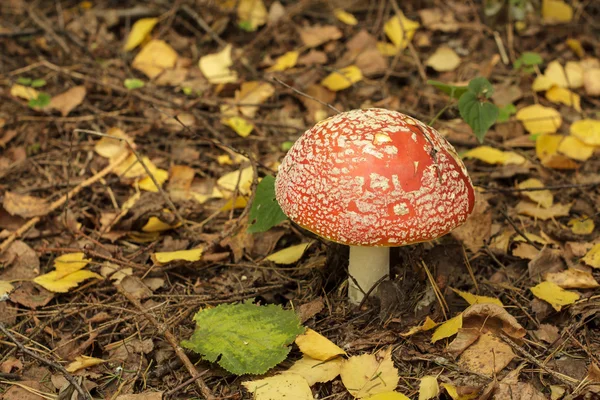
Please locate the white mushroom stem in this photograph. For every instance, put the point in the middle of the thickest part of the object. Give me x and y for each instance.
(367, 266)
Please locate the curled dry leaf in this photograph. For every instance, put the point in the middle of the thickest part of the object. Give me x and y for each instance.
(25, 206)
(573, 279)
(492, 318)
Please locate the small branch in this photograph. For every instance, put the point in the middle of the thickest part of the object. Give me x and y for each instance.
(47, 27)
(202, 23)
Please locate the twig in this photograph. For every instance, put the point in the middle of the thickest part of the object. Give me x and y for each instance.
(519, 231)
(50, 363)
(47, 27)
(202, 23)
(164, 331)
(293, 89)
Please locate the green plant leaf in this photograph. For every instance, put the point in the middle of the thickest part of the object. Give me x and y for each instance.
(249, 339)
(133, 83)
(246, 26)
(481, 87)
(528, 59)
(453, 91)
(24, 81)
(38, 83)
(265, 212)
(480, 115)
(41, 101)
(505, 112)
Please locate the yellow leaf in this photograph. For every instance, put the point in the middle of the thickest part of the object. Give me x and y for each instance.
(224, 159)
(289, 255)
(400, 30)
(5, 289)
(241, 179)
(240, 202)
(592, 257)
(539, 119)
(447, 329)
(533, 210)
(370, 374)
(554, 294)
(139, 31)
(452, 392)
(316, 370)
(444, 59)
(155, 224)
(387, 49)
(283, 386)
(542, 197)
(154, 58)
(166, 257)
(252, 13)
(55, 283)
(239, 125)
(428, 388)
(131, 168)
(556, 74)
(556, 392)
(215, 67)
(556, 11)
(69, 263)
(82, 362)
(343, 78)
(564, 96)
(574, 72)
(582, 225)
(317, 346)
(475, 299)
(345, 17)
(491, 155)
(546, 148)
(24, 92)
(574, 148)
(388, 396)
(541, 82)
(286, 61)
(427, 325)
(576, 46)
(253, 92)
(587, 130)
(143, 237)
(532, 237)
(148, 185)
(573, 279)
(112, 147)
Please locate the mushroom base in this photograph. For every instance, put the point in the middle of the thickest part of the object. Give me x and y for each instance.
(367, 266)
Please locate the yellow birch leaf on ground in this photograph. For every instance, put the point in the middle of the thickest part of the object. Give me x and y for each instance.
(591, 81)
(574, 148)
(82, 362)
(343, 78)
(370, 374)
(427, 325)
(387, 49)
(557, 74)
(239, 202)
(160, 175)
(57, 284)
(252, 14)
(475, 299)
(586, 130)
(428, 388)
(400, 30)
(345, 17)
(25, 206)
(573, 279)
(282, 386)
(491, 155)
(317, 346)
(453, 392)
(132, 168)
(447, 329)
(582, 225)
(556, 11)
(67, 101)
(533, 210)
(532, 237)
(539, 119)
(316, 370)
(139, 32)
(387, 396)
(24, 92)
(576, 46)
(5, 289)
(542, 197)
(556, 392)
(444, 59)
(286, 61)
(487, 356)
(253, 92)
(555, 295)
(240, 126)
(155, 224)
(215, 67)
(112, 147)
(241, 179)
(155, 58)
(541, 82)
(289, 255)
(564, 96)
(592, 257)
(161, 258)
(69, 263)
(546, 148)
(574, 72)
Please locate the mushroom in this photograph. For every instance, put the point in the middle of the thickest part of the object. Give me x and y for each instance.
(373, 179)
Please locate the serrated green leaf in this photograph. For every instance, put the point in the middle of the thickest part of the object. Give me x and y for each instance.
(41, 101)
(24, 81)
(453, 91)
(133, 83)
(249, 339)
(528, 59)
(481, 87)
(265, 212)
(479, 115)
(38, 83)
(505, 112)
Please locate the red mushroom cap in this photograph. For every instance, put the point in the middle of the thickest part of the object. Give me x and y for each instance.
(374, 178)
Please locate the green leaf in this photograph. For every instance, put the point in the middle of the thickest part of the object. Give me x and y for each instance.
(481, 87)
(38, 83)
(479, 115)
(505, 112)
(249, 339)
(133, 83)
(41, 101)
(246, 26)
(453, 91)
(24, 81)
(265, 212)
(285, 146)
(528, 59)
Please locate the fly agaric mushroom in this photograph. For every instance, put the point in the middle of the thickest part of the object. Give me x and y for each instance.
(373, 179)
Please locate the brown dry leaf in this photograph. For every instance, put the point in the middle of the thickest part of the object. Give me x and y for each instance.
(30, 295)
(573, 279)
(253, 92)
(517, 391)
(180, 182)
(314, 36)
(19, 261)
(533, 210)
(25, 206)
(548, 333)
(591, 81)
(154, 58)
(478, 228)
(67, 101)
(141, 396)
(113, 147)
(436, 19)
(492, 318)
(464, 338)
(25, 390)
(525, 251)
(488, 356)
(546, 261)
(546, 148)
(134, 286)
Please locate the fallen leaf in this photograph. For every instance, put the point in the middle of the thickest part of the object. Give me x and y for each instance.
(342, 78)
(573, 279)
(436, 19)
(487, 356)
(142, 396)
(317, 346)
(427, 325)
(400, 30)
(539, 119)
(557, 392)
(387, 396)
(454, 393)
(53, 283)
(582, 225)
(5, 289)
(542, 197)
(555, 295)
(289, 255)
(251, 14)
(160, 176)
(67, 101)
(253, 92)
(215, 67)
(156, 225)
(345, 17)
(592, 257)
(586, 130)
(574, 72)
(548, 333)
(24, 92)
(162, 258)
(556, 12)
(314, 36)
(444, 59)
(239, 125)
(428, 388)
(139, 32)
(370, 374)
(82, 362)
(154, 58)
(574, 148)
(286, 61)
(490, 317)
(315, 371)
(533, 210)
(25, 206)
(113, 147)
(564, 96)
(475, 299)
(241, 179)
(280, 386)
(525, 251)
(465, 337)
(557, 75)
(546, 148)
(448, 328)
(591, 81)
(491, 155)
